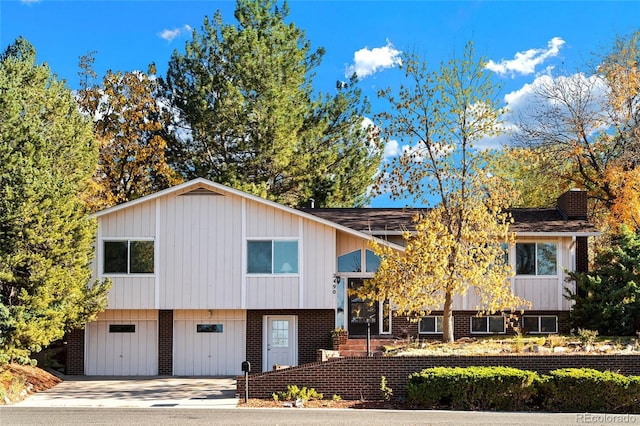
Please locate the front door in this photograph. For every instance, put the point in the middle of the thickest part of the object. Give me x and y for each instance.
(362, 313)
(280, 341)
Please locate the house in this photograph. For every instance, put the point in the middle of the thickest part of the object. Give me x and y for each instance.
(205, 276)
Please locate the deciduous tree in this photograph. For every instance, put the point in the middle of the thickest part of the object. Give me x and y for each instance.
(47, 155)
(248, 116)
(439, 116)
(131, 124)
(592, 124)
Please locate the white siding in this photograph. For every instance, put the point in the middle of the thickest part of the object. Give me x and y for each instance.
(273, 292)
(132, 292)
(208, 354)
(200, 252)
(122, 354)
(319, 266)
(268, 222)
(138, 221)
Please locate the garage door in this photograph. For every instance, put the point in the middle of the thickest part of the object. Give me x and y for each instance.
(208, 343)
(122, 346)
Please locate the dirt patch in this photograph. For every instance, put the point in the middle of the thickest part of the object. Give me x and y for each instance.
(19, 381)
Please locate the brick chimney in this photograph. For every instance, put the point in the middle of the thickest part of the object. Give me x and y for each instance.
(573, 204)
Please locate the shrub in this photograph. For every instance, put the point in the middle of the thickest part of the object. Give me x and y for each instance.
(472, 388)
(585, 389)
(294, 393)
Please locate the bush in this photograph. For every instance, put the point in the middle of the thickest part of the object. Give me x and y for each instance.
(473, 388)
(294, 393)
(584, 389)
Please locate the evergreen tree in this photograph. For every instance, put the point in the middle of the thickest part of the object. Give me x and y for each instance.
(248, 116)
(608, 297)
(47, 155)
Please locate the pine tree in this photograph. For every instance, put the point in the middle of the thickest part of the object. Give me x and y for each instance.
(608, 297)
(47, 155)
(248, 116)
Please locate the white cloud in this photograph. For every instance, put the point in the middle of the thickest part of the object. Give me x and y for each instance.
(369, 61)
(169, 35)
(524, 63)
(391, 148)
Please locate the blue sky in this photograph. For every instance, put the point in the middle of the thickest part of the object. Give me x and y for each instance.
(525, 40)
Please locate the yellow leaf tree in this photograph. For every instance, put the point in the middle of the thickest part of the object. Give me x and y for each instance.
(131, 127)
(457, 247)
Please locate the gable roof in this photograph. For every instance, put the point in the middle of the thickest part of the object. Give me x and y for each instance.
(393, 221)
(199, 186)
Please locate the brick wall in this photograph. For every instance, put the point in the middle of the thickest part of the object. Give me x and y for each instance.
(165, 342)
(573, 203)
(403, 327)
(314, 332)
(356, 378)
(75, 352)
(582, 254)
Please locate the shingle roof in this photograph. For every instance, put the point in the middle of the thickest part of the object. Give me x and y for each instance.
(392, 220)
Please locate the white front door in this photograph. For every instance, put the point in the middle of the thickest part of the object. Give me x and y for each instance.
(280, 339)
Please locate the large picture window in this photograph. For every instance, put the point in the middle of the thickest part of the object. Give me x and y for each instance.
(272, 257)
(536, 259)
(128, 257)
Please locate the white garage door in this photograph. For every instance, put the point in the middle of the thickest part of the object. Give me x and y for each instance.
(208, 344)
(122, 348)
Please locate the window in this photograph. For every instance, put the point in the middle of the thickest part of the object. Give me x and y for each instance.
(492, 324)
(373, 261)
(128, 257)
(350, 262)
(430, 324)
(122, 328)
(209, 328)
(540, 324)
(272, 257)
(536, 259)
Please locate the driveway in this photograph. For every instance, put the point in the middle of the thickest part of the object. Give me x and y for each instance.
(187, 392)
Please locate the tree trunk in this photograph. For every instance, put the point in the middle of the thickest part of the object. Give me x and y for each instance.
(447, 318)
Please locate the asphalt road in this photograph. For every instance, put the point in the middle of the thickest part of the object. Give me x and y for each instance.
(12, 415)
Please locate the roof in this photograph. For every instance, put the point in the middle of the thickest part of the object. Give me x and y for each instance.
(199, 183)
(390, 221)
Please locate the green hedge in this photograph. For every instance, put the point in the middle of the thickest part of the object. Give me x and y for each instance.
(584, 389)
(473, 388)
(509, 389)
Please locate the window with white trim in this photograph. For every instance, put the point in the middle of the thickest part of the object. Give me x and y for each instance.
(128, 257)
(540, 323)
(536, 259)
(350, 262)
(430, 324)
(272, 257)
(488, 324)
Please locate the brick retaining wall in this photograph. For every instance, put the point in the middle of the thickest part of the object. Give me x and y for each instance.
(359, 377)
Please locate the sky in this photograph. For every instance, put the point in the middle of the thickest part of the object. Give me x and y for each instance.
(524, 41)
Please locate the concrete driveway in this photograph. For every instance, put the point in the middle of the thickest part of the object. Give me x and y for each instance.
(187, 392)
